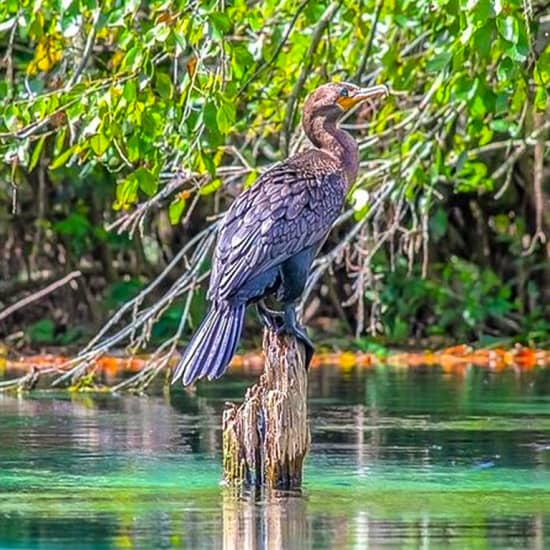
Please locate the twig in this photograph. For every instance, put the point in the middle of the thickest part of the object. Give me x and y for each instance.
(514, 157)
(8, 57)
(144, 378)
(40, 294)
(538, 168)
(366, 55)
(278, 49)
(305, 73)
(184, 283)
(87, 50)
(133, 218)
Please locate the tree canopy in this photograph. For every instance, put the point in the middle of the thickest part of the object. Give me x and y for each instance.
(147, 117)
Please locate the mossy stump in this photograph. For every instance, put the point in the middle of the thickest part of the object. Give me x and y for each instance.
(266, 438)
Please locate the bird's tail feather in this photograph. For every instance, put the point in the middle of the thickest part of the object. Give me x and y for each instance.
(213, 345)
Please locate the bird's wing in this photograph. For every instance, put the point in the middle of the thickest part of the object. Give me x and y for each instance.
(290, 207)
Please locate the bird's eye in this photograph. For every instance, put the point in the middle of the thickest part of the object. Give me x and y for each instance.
(344, 92)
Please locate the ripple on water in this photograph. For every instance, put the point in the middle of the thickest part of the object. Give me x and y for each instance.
(398, 459)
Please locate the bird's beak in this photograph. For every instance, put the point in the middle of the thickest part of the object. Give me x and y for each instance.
(361, 94)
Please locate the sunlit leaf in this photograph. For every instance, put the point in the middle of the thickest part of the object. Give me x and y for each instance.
(99, 143)
(225, 117)
(175, 210)
(35, 157)
(508, 28)
(63, 158)
(126, 191)
(210, 188)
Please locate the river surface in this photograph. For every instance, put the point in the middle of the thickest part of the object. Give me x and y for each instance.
(401, 458)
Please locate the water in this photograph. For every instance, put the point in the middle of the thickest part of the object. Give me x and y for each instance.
(401, 458)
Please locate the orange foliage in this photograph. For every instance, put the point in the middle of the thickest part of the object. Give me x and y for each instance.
(449, 359)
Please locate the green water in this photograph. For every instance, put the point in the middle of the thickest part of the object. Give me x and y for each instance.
(400, 459)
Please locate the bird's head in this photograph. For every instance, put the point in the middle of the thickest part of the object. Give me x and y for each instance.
(332, 100)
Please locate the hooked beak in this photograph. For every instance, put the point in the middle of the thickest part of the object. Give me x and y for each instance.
(361, 94)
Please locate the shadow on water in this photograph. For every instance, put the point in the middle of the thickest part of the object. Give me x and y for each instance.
(400, 457)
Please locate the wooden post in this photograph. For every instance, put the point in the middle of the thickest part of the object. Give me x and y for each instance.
(266, 438)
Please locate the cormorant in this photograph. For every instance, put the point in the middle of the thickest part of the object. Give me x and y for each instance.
(273, 230)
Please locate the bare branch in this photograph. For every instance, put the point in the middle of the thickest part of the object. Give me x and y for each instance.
(87, 50)
(308, 60)
(38, 295)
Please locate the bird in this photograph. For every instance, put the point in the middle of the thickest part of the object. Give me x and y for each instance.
(271, 233)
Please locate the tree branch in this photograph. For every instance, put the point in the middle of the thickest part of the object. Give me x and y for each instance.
(305, 73)
(87, 50)
(38, 295)
(366, 55)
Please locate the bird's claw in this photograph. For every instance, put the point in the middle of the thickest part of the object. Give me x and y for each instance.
(269, 318)
(284, 322)
(300, 333)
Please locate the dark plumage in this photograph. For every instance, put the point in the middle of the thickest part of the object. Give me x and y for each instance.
(272, 232)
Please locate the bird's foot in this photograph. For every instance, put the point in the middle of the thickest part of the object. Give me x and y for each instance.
(295, 329)
(269, 317)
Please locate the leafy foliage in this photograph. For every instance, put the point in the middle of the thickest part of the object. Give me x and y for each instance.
(105, 104)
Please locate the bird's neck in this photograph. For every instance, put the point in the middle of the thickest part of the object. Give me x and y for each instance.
(325, 135)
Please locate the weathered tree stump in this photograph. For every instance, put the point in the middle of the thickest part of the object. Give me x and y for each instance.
(266, 438)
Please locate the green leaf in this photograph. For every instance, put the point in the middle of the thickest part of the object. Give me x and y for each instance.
(161, 32)
(515, 53)
(41, 332)
(483, 40)
(473, 176)
(439, 223)
(250, 179)
(211, 187)
(541, 72)
(499, 125)
(148, 183)
(486, 135)
(508, 28)
(439, 62)
(205, 161)
(505, 69)
(35, 157)
(225, 117)
(99, 144)
(541, 99)
(519, 98)
(209, 115)
(360, 199)
(220, 23)
(126, 191)
(133, 148)
(62, 159)
(175, 210)
(122, 291)
(130, 91)
(132, 59)
(163, 84)
(74, 225)
(242, 60)
(477, 107)
(7, 24)
(148, 123)
(482, 11)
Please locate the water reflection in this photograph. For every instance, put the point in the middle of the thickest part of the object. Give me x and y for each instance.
(271, 521)
(282, 521)
(400, 457)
